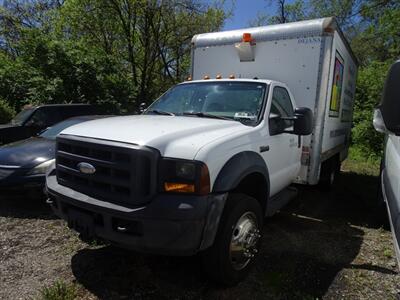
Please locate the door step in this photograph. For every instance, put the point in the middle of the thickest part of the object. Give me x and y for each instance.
(280, 200)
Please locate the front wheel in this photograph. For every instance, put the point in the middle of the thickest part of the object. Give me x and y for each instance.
(237, 243)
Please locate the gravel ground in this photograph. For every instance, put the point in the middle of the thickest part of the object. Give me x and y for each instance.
(323, 245)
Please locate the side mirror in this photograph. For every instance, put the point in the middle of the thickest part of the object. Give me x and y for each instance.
(387, 114)
(302, 121)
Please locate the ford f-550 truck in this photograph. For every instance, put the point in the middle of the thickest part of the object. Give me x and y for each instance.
(199, 170)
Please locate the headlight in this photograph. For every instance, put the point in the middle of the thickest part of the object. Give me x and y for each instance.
(182, 176)
(41, 168)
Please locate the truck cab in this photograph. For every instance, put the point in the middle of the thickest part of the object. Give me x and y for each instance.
(183, 176)
(387, 121)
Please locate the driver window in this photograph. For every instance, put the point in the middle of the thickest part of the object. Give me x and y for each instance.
(281, 106)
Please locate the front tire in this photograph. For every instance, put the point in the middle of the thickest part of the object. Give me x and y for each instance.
(237, 243)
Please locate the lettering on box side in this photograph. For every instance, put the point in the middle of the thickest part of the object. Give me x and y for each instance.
(309, 40)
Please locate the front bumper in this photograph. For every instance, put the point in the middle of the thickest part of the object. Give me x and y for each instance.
(169, 224)
(20, 181)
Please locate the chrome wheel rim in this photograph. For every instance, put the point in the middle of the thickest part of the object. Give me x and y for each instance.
(244, 241)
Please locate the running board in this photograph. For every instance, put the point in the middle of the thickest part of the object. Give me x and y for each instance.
(278, 201)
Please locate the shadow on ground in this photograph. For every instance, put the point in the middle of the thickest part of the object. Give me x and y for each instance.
(304, 248)
(25, 206)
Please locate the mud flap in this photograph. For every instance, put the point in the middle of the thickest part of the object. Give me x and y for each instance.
(82, 223)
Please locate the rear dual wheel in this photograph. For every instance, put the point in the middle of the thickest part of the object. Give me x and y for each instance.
(237, 243)
(330, 169)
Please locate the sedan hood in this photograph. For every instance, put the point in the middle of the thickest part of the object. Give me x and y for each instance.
(27, 153)
(173, 136)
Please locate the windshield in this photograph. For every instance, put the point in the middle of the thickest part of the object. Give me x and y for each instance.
(22, 116)
(52, 132)
(242, 101)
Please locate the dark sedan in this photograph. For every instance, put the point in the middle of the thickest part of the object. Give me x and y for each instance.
(32, 120)
(23, 164)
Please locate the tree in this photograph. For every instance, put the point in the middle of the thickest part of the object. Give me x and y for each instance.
(117, 53)
(285, 12)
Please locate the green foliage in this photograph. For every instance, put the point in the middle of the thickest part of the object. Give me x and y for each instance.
(368, 94)
(6, 112)
(117, 53)
(59, 291)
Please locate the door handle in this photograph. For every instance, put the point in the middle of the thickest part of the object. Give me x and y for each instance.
(264, 148)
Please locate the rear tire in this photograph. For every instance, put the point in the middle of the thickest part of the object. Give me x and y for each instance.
(237, 243)
(330, 169)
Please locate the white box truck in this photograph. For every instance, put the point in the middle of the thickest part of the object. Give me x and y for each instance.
(317, 64)
(199, 170)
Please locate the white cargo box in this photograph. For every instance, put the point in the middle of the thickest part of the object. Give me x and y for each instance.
(315, 61)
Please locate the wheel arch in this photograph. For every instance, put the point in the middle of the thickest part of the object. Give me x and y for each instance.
(241, 173)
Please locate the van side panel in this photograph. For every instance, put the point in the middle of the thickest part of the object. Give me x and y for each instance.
(309, 172)
(340, 101)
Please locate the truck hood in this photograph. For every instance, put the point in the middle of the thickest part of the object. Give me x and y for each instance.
(173, 136)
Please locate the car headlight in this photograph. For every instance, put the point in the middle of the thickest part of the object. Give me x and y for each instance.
(41, 168)
(184, 176)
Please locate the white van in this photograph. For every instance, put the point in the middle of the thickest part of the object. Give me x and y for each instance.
(387, 120)
(199, 170)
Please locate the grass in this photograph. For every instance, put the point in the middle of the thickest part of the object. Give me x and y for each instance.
(362, 163)
(387, 253)
(59, 290)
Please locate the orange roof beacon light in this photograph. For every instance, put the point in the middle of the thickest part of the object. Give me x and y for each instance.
(232, 76)
(247, 38)
(219, 76)
(206, 77)
(245, 48)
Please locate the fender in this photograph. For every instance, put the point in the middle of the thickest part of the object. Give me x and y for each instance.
(238, 167)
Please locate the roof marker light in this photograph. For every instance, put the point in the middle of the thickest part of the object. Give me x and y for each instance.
(206, 77)
(219, 76)
(189, 78)
(232, 76)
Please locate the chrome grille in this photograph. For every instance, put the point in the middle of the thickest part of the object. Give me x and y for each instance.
(124, 173)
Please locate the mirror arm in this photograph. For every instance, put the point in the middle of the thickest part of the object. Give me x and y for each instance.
(288, 118)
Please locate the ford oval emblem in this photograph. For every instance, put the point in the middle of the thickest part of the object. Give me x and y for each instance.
(86, 168)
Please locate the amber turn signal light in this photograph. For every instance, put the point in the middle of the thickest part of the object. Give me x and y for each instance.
(178, 187)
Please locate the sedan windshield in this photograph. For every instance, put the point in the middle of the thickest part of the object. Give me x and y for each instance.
(22, 116)
(52, 132)
(241, 101)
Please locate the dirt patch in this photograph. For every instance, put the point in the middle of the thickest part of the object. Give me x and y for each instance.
(322, 245)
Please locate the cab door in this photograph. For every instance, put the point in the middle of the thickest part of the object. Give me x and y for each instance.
(283, 156)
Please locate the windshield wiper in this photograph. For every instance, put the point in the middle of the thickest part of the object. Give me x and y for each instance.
(205, 115)
(160, 112)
